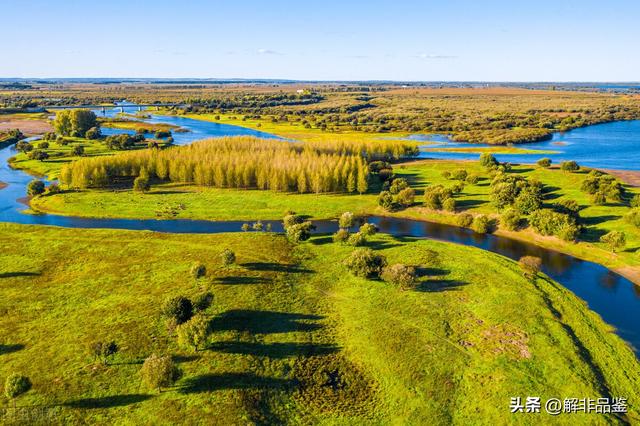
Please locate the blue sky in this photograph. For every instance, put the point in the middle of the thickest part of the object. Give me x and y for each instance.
(324, 40)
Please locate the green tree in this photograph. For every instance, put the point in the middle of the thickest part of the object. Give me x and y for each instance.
(615, 240)
(488, 160)
(368, 229)
(365, 263)
(141, 184)
(385, 200)
(544, 162)
(530, 266)
(341, 236)
(449, 205)
(510, 219)
(405, 277)
(178, 308)
(569, 166)
(194, 332)
(159, 372)
(481, 224)
(78, 150)
(227, 257)
(16, 385)
(35, 187)
(464, 220)
(347, 220)
(198, 270)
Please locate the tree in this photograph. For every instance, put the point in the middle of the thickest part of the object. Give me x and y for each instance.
(488, 160)
(365, 263)
(74, 122)
(544, 162)
(464, 220)
(38, 154)
(178, 308)
(93, 133)
(245, 227)
(43, 145)
(340, 236)
(528, 201)
(406, 197)
(141, 184)
(300, 231)
(449, 205)
(198, 270)
(510, 219)
(357, 239)
(227, 257)
(193, 332)
(159, 371)
(16, 385)
(405, 277)
(530, 266)
(363, 180)
(398, 185)
(459, 174)
(473, 179)
(78, 150)
(103, 350)
(385, 200)
(368, 229)
(569, 166)
(257, 226)
(635, 201)
(35, 187)
(481, 224)
(24, 146)
(615, 240)
(347, 220)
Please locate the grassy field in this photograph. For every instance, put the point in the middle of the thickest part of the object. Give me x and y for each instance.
(229, 204)
(296, 338)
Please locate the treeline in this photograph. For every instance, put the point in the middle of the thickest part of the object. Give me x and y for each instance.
(233, 162)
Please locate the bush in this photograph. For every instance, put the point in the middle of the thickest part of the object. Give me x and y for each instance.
(53, 189)
(159, 371)
(340, 236)
(473, 179)
(405, 197)
(194, 332)
(43, 145)
(528, 201)
(178, 308)
(385, 200)
(544, 162)
(464, 220)
(457, 188)
(141, 184)
(245, 227)
(569, 166)
(510, 219)
(93, 133)
(74, 122)
(599, 198)
(35, 187)
(368, 229)
(446, 174)
(227, 257)
(635, 201)
(569, 207)
(615, 240)
(257, 226)
(357, 239)
(449, 205)
(24, 146)
(365, 263)
(398, 185)
(459, 174)
(16, 385)
(633, 217)
(481, 224)
(300, 231)
(530, 266)
(346, 220)
(405, 277)
(488, 160)
(103, 350)
(78, 150)
(198, 270)
(203, 301)
(435, 195)
(37, 154)
(549, 222)
(568, 232)
(291, 219)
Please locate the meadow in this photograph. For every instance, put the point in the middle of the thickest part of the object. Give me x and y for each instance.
(295, 338)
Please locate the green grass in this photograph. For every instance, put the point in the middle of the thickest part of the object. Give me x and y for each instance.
(285, 319)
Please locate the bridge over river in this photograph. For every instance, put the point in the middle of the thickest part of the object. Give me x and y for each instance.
(121, 107)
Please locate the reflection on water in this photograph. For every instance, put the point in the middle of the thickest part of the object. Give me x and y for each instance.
(615, 298)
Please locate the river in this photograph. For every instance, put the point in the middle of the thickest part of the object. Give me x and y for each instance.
(612, 296)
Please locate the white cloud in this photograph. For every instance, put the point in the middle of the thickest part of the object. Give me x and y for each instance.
(267, 52)
(432, 56)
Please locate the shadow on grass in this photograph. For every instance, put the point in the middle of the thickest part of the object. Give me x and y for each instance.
(469, 204)
(274, 350)
(275, 267)
(381, 245)
(214, 382)
(423, 271)
(7, 349)
(321, 240)
(438, 286)
(18, 274)
(595, 220)
(264, 322)
(108, 401)
(242, 280)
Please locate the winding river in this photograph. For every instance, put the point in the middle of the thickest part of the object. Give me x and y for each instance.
(612, 296)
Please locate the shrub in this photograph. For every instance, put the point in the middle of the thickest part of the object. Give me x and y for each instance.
(227, 257)
(635, 201)
(159, 371)
(365, 263)
(510, 219)
(568, 232)
(78, 150)
(528, 201)
(459, 174)
(385, 200)
(569, 166)
(446, 174)
(203, 301)
(53, 189)
(544, 162)
(398, 185)
(530, 266)
(435, 195)
(569, 207)
(340, 236)
(161, 134)
(357, 239)
(449, 205)
(599, 198)
(43, 145)
(615, 240)
(464, 219)
(291, 219)
(257, 226)
(368, 229)
(457, 187)
(488, 160)
(405, 197)
(141, 184)
(35, 187)
(405, 277)
(198, 270)
(549, 222)
(346, 220)
(299, 232)
(178, 308)
(16, 385)
(37, 154)
(473, 179)
(93, 133)
(633, 217)
(481, 224)
(194, 332)
(103, 350)
(24, 146)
